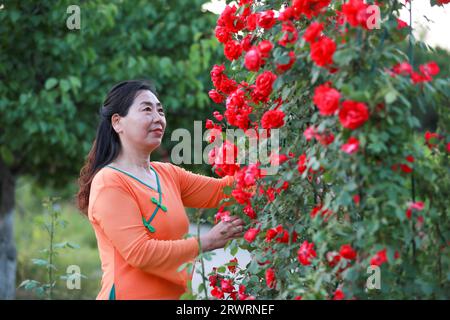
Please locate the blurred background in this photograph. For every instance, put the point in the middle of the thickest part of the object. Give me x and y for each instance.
(53, 82)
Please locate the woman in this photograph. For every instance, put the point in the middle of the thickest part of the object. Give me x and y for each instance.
(136, 206)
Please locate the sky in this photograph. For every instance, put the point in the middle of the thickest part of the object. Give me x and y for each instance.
(436, 31)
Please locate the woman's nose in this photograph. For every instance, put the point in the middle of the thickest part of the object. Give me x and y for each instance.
(158, 118)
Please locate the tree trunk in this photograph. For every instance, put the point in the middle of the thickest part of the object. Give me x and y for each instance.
(7, 246)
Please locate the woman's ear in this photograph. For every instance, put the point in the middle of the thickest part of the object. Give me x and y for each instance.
(115, 122)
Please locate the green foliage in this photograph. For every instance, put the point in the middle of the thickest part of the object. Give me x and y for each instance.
(55, 79)
(32, 241)
(51, 222)
(417, 249)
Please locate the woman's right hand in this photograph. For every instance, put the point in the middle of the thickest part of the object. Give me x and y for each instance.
(221, 233)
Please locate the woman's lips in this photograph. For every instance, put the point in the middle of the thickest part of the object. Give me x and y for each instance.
(157, 131)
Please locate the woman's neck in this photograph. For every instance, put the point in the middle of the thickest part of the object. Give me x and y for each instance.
(133, 162)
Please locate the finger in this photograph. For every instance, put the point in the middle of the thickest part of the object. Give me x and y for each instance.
(233, 218)
(237, 230)
(238, 235)
(238, 222)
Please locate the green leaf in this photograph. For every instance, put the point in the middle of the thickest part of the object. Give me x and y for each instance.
(234, 250)
(390, 97)
(40, 262)
(227, 190)
(344, 57)
(29, 284)
(50, 83)
(221, 269)
(65, 85)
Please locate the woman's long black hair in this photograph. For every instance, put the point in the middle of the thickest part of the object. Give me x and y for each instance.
(106, 145)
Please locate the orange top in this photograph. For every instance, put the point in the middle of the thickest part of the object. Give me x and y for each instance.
(140, 257)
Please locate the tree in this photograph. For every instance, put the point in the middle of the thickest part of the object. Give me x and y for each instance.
(54, 80)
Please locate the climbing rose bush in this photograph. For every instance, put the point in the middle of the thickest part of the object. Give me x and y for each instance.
(358, 183)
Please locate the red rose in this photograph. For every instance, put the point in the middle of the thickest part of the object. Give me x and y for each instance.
(313, 32)
(310, 8)
(419, 78)
(265, 47)
(326, 99)
(353, 114)
(405, 168)
(325, 138)
(230, 20)
(246, 43)
(251, 21)
(232, 50)
(264, 83)
(310, 133)
(286, 14)
(272, 119)
(248, 210)
(418, 206)
(301, 163)
(218, 116)
(270, 278)
(322, 51)
(379, 258)
(431, 138)
(290, 34)
(227, 285)
(351, 146)
(355, 12)
(305, 253)
(338, 295)
(429, 69)
(216, 74)
(410, 158)
(253, 59)
(220, 81)
(227, 85)
(222, 34)
(216, 96)
(401, 24)
(333, 258)
(347, 252)
(213, 280)
(319, 209)
(270, 234)
(241, 196)
(223, 159)
(403, 68)
(251, 234)
(237, 110)
(266, 19)
(216, 292)
(222, 215)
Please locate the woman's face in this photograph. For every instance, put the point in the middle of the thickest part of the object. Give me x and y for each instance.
(144, 124)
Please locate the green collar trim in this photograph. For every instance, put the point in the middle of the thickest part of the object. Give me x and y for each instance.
(137, 179)
(158, 203)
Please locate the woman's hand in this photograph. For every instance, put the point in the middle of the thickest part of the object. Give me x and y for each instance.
(221, 233)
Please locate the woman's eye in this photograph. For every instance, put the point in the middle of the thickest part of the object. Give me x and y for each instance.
(148, 108)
